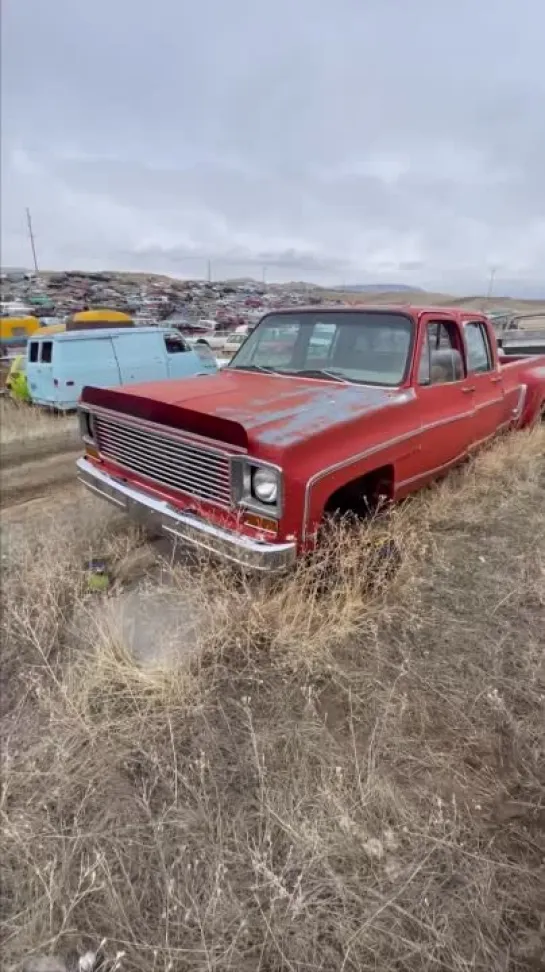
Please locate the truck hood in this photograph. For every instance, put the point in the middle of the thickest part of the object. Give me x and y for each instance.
(248, 408)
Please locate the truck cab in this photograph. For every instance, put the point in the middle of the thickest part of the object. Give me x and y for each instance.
(322, 410)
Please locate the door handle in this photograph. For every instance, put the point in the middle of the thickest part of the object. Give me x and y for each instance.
(468, 389)
(497, 379)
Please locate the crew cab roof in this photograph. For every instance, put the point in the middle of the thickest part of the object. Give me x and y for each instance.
(415, 310)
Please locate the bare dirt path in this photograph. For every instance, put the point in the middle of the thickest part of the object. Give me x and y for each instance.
(39, 478)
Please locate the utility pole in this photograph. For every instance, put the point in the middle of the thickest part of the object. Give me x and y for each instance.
(32, 243)
(493, 271)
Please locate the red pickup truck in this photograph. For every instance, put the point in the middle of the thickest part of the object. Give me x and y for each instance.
(321, 410)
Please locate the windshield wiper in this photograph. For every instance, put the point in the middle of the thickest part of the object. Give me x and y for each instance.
(322, 373)
(253, 367)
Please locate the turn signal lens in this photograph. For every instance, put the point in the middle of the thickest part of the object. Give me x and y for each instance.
(261, 522)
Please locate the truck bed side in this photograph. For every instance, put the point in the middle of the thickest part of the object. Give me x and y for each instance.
(530, 373)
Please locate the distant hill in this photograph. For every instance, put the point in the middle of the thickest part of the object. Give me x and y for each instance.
(378, 289)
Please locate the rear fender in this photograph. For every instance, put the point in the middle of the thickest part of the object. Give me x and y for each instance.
(534, 403)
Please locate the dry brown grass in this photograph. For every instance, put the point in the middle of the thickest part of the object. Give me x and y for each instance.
(337, 779)
(430, 299)
(25, 423)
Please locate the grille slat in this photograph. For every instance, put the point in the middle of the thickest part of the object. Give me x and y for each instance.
(195, 470)
(198, 452)
(183, 466)
(210, 493)
(169, 472)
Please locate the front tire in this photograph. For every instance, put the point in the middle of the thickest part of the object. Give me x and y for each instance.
(380, 560)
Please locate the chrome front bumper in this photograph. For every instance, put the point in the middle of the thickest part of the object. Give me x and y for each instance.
(187, 528)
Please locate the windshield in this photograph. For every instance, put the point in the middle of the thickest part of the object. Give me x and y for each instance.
(366, 347)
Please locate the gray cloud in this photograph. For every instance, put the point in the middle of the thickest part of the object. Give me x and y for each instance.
(347, 141)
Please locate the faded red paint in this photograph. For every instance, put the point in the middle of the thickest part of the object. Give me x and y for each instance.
(323, 434)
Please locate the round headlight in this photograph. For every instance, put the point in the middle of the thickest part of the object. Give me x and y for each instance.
(265, 485)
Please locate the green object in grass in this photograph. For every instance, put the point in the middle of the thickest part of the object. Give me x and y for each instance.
(16, 382)
(98, 579)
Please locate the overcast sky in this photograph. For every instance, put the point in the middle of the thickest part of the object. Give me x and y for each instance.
(334, 140)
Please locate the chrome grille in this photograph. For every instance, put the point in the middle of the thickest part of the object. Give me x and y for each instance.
(193, 469)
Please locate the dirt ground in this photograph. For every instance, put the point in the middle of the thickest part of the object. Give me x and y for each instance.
(38, 482)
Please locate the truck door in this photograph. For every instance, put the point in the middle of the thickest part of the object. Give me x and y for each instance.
(445, 405)
(485, 382)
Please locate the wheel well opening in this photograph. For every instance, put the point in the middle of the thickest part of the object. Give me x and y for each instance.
(363, 496)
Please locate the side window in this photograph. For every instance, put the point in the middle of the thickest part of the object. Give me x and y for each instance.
(174, 343)
(442, 336)
(33, 351)
(479, 355)
(440, 361)
(47, 352)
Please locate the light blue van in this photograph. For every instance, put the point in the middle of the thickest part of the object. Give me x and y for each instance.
(59, 365)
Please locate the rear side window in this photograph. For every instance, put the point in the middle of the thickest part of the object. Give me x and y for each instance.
(33, 351)
(47, 352)
(479, 354)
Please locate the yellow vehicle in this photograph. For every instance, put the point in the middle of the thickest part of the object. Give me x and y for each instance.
(15, 331)
(52, 329)
(88, 319)
(16, 382)
(102, 317)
